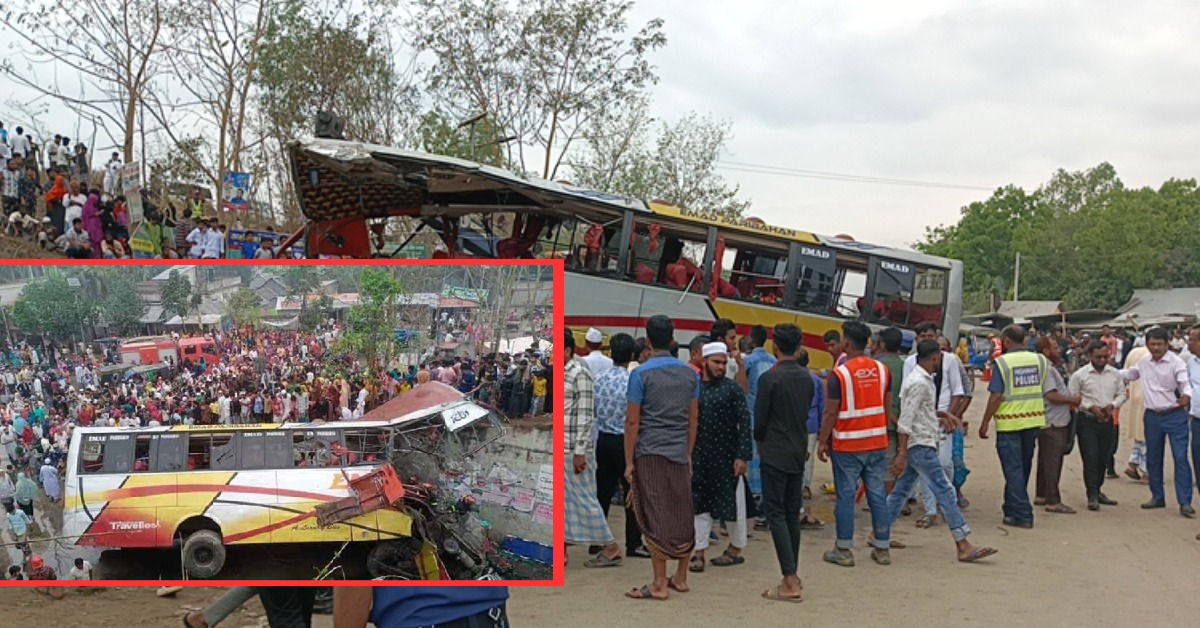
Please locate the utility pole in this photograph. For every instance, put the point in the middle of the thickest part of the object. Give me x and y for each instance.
(1017, 280)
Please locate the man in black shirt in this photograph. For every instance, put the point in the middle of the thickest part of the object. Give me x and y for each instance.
(780, 427)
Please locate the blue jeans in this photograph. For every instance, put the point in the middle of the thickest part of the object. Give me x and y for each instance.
(848, 469)
(1161, 426)
(1196, 446)
(1016, 460)
(925, 465)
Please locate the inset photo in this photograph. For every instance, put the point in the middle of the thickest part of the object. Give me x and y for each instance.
(297, 422)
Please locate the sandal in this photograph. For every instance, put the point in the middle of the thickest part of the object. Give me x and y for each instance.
(671, 585)
(980, 552)
(828, 489)
(600, 560)
(926, 522)
(774, 595)
(809, 522)
(726, 560)
(643, 594)
(1061, 509)
(696, 564)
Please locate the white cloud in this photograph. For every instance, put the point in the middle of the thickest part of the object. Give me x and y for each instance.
(977, 93)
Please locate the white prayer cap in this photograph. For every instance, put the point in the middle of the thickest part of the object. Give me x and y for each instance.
(594, 335)
(713, 348)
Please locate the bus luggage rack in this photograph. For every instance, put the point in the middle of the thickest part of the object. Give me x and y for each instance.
(377, 489)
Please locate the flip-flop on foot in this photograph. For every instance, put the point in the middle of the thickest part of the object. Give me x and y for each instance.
(774, 595)
(643, 594)
(674, 587)
(979, 553)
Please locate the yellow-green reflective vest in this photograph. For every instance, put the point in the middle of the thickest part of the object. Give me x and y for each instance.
(1023, 407)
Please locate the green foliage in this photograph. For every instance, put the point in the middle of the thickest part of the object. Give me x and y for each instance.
(1084, 238)
(312, 316)
(678, 166)
(121, 308)
(54, 308)
(177, 294)
(369, 335)
(244, 307)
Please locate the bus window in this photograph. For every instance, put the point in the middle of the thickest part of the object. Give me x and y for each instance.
(141, 453)
(816, 272)
(118, 454)
(211, 451)
(252, 450)
(319, 448)
(891, 301)
(190, 350)
(91, 455)
(754, 275)
(367, 446)
(169, 453)
(278, 450)
(929, 297)
(645, 253)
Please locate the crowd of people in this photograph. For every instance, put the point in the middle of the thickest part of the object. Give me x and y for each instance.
(729, 435)
(259, 376)
(51, 197)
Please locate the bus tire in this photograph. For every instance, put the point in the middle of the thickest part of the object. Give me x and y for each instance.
(203, 554)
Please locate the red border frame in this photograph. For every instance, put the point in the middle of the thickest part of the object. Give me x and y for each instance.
(558, 421)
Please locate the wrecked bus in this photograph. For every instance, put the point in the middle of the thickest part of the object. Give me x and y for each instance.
(200, 489)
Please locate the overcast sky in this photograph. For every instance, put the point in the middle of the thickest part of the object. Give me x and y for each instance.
(950, 91)
(964, 92)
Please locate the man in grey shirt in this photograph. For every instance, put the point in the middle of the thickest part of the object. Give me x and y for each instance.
(1054, 439)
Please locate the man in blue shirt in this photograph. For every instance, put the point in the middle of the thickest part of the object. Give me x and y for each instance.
(815, 412)
(756, 363)
(250, 246)
(420, 607)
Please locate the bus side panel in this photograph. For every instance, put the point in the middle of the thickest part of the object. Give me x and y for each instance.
(392, 523)
(245, 506)
(125, 508)
(300, 492)
(746, 315)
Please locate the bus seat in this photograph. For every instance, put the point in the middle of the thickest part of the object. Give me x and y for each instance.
(643, 273)
(726, 289)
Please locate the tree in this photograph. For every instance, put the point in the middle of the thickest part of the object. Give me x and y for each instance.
(212, 55)
(303, 281)
(370, 330)
(244, 307)
(677, 167)
(540, 70)
(177, 294)
(314, 315)
(332, 57)
(122, 308)
(53, 308)
(112, 48)
(1084, 239)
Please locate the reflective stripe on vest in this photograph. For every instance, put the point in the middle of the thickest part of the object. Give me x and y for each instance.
(861, 421)
(1023, 407)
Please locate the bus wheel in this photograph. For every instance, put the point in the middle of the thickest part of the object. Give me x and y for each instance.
(395, 559)
(203, 554)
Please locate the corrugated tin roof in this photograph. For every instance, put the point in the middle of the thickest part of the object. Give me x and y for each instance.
(153, 315)
(1029, 309)
(1147, 304)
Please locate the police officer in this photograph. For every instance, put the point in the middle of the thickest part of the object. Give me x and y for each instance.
(1017, 404)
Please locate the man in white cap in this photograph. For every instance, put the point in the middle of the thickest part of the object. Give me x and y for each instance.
(596, 361)
(720, 459)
